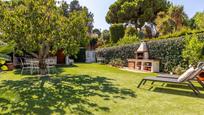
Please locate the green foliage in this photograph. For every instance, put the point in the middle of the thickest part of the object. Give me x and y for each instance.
(178, 70)
(104, 39)
(178, 15)
(193, 49)
(39, 26)
(117, 63)
(74, 6)
(4, 68)
(6, 49)
(117, 31)
(171, 21)
(168, 51)
(2, 62)
(105, 35)
(133, 10)
(128, 40)
(97, 31)
(164, 24)
(183, 32)
(131, 31)
(2, 65)
(198, 20)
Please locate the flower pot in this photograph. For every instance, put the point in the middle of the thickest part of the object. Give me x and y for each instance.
(10, 66)
(201, 76)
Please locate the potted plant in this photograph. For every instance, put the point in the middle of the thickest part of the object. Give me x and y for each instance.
(6, 48)
(3, 67)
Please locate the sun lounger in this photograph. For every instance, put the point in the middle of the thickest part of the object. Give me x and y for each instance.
(200, 65)
(187, 81)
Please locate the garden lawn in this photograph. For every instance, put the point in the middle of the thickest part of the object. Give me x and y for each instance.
(94, 89)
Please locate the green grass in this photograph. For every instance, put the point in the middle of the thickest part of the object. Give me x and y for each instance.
(94, 89)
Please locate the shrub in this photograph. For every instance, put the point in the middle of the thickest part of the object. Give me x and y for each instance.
(2, 65)
(128, 40)
(117, 31)
(198, 20)
(178, 70)
(117, 63)
(193, 49)
(130, 31)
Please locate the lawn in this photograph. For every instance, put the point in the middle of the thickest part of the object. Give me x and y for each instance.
(94, 89)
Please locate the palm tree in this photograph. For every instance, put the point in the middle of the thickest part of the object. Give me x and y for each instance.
(178, 15)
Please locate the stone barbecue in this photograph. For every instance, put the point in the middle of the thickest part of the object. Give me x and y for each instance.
(142, 62)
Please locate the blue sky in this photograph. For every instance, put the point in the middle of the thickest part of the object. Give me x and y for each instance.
(100, 7)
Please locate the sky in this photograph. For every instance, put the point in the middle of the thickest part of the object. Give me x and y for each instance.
(100, 7)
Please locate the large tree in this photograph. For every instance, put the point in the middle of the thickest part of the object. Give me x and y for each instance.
(38, 26)
(178, 15)
(172, 20)
(135, 10)
(75, 6)
(197, 20)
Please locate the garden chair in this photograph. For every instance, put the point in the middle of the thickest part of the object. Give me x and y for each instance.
(29, 65)
(51, 65)
(100, 59)
(25, 66)
(35, 66)
(184, 79)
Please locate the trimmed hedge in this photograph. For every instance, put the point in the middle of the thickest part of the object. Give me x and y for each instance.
(117, 31)
(168, 51)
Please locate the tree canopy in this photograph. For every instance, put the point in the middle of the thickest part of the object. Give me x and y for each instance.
(75, 6)
(198, 20)
(38, 26)
(135, 10)
(193, 50)
(172, 20)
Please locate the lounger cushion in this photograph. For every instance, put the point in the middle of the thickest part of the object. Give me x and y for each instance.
(186, 75)
(195, 73)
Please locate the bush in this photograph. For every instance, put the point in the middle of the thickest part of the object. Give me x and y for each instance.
(128, 40)
(117, 63)
(168, 51)
(193, 49)
(3, 67)
(178, 70)
(117, 31)
(131, 31)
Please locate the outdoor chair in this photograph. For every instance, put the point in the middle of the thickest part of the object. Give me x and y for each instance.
(29, 65)
(187, 80)
(25, 66)
(100, 59)
(51, 65)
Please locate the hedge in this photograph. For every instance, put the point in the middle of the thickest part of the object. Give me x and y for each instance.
(117, 31)
(168, 51)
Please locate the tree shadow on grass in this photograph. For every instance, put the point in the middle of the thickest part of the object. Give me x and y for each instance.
(180, 92)
(59, 94)
(58, 69)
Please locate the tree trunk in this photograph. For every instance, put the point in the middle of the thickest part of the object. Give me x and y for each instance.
(43, 53)
(42, 67)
